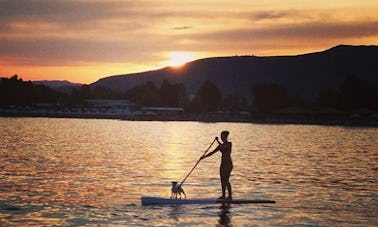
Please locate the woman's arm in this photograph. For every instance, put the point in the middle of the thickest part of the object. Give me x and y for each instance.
(211, 153)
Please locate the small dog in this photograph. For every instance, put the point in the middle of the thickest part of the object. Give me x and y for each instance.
(176, 190)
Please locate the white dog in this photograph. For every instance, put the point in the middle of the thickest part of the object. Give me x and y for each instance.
(176, 190)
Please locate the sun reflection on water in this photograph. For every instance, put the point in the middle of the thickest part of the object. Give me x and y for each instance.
(174, 161)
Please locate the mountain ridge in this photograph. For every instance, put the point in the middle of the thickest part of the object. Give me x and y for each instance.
(306, 74)
(56, 83)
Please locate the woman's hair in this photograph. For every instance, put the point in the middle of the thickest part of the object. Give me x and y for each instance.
(225, 133)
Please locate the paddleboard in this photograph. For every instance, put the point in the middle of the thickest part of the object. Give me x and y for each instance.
(148, 200)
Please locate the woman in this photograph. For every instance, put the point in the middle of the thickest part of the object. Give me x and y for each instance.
(226, 164)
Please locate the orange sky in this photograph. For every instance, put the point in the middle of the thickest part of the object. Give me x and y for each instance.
(85, 40)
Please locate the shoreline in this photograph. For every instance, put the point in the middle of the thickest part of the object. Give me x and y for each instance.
(209, 118)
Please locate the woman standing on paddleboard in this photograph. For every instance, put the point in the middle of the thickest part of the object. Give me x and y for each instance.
(226, 165)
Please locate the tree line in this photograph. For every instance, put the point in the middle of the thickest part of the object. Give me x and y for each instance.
(15, 91)
(207, 98)
(353, 93)
(267, 97)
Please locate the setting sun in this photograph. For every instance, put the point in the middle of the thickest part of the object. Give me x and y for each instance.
(179, 58)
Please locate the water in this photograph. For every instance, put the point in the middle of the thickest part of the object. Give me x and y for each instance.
(93, 172)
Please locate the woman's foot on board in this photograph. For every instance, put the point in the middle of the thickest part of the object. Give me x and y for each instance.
(222, 197)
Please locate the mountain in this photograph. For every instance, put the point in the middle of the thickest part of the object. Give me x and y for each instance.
(56, 83)
(307, 74)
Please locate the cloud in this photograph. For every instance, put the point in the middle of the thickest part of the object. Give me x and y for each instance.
(310, 32)
(269, 15)
(75, 31)
(319, 30)
(182, 27)
(63, 11)
(75, 51)
(70, 17)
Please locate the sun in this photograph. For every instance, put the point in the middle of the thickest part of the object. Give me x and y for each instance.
(178, 59)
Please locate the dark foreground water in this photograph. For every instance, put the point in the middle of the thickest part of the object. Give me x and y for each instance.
(93, 172)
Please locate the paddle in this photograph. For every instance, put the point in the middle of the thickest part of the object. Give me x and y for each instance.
(182, 182)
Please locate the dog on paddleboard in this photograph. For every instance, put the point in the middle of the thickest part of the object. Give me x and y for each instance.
(176, 190)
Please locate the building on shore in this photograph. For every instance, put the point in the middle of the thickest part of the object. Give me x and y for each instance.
(114, 105)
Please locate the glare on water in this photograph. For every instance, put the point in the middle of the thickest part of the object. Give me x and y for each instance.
(93, 172)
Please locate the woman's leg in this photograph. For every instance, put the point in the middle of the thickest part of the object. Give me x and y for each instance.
(228, 184)
(225, 182)
(223, 178)
(229, 190)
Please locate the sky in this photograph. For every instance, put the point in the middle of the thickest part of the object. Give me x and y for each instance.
(85, 40)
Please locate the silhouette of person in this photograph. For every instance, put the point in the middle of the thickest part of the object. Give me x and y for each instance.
(226, 164)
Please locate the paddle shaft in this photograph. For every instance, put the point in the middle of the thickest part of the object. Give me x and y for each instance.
(182, 182)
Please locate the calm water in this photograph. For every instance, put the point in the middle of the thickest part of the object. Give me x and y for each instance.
(93, 172)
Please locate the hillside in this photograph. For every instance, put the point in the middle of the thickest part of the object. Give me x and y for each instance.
(307, 74)
(58, 85)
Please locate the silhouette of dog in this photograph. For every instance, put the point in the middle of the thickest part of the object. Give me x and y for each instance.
(176, 190)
